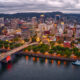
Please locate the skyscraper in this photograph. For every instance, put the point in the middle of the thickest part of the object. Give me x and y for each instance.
(1, 22)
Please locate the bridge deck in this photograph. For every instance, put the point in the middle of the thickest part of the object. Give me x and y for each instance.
(3, 56)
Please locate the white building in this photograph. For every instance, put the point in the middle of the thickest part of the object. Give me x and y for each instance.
(11, 31)
(43, 27)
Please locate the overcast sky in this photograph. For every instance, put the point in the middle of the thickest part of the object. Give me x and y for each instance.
(18, 6)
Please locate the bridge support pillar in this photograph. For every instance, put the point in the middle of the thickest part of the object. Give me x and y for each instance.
(3, 47)
(8, 48)
(6, 60)
(0, 65)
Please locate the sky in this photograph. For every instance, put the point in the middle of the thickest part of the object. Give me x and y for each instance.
(21, 6)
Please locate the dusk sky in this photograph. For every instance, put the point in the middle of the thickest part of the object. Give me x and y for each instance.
(18, 6)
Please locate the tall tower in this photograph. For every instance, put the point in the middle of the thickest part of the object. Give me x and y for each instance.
(42, 18)
(57, 18)
(34, 20)
(78, 31)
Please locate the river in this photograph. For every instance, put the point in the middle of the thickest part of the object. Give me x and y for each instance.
(31, 68)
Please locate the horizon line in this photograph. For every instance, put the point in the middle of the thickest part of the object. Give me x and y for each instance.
(42, 12)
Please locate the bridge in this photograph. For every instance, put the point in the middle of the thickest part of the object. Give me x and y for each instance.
(9, 53)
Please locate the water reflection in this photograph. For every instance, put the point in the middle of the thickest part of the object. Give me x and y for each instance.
(9, 66)
(75, 67)
(41, 61)
(46, 61)
(51, 61)
(34, 59)
(65, 63)
(4, 68)
(37, 59)
(27, 58)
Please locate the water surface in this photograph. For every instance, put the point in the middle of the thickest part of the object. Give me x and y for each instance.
(31, 68)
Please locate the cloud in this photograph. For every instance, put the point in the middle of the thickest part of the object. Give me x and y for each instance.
(17, 6)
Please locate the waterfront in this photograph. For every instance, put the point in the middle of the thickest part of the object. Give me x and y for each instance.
(31, 68)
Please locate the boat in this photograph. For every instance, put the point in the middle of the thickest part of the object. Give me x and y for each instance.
(76, 63)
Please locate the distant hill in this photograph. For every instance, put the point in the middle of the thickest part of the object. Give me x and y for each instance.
(19, 15)
(48, 14)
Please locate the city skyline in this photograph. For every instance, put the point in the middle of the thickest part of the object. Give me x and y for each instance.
(20, 6)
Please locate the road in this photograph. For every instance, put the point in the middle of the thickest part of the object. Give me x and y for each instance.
(9, 53)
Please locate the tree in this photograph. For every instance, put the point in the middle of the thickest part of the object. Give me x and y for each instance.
(17, 45)
(54, 48)
(1, 45)
(35, 48)
(12, 46)
(26, 40)
(77, 53)
(29, 48)
(1, 42)
(43, 48)
(68, 53)
(75, 49)
(60, 52)
(52, 44)
(6, 45)
(51, 51)
(33, 39)
(60, 41)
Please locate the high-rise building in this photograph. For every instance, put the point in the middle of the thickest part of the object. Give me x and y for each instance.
(34, 20)
(42, 20)
(78, 31)
(57, 18)
(14, 23)
(1, 22)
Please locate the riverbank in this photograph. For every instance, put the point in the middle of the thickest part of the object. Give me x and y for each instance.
(45, 56)
(48, 56)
